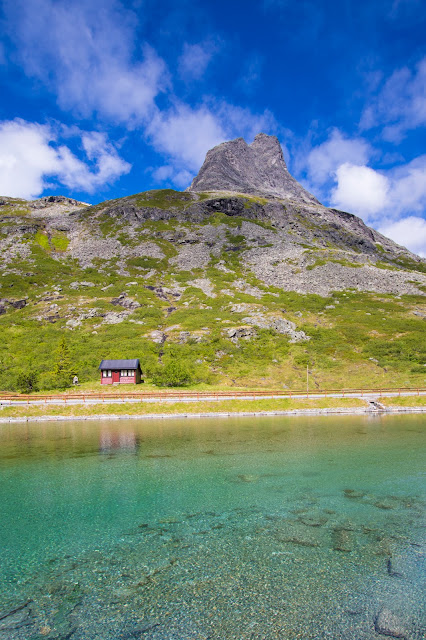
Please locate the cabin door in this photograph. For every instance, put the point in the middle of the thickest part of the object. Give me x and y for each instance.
(115, 376)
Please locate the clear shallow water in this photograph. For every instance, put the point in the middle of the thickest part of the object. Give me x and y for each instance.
(237, 528)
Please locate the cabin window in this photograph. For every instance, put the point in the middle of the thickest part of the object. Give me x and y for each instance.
(126, 373)
(106, 373)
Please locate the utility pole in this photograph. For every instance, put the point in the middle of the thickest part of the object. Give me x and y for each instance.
(307, 378)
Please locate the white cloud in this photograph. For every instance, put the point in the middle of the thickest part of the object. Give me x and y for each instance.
(29, 154)
(185, 134)
(408, 187)
(372, 195)
(386, 201)
(391, 201)
(25, 158)
(106, 164)
(239, 121)
(91, 57)
(409, 232)
(360, 189)
(86, 53)
(400, 105)
(194, 60)
(322, 161)
(170, 174)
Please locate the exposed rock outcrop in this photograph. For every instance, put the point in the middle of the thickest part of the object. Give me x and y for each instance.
(280, 325)
(257, 224)
(257, 168)
(124, 301)
(16, 304)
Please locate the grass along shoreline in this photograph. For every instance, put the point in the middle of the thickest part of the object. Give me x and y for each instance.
(223, 407)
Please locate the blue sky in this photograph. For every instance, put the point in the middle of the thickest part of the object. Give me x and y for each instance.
(105, 98)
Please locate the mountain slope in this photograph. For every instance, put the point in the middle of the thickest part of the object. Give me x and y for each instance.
(244, 289)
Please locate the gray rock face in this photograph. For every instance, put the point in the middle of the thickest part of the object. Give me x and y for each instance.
(239, 333)
(48, 201)
(257, 168)
(124, 301)
(287, 240)
(280, 325)
(16, 304)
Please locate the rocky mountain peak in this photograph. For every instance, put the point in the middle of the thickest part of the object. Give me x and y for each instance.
(258, 168)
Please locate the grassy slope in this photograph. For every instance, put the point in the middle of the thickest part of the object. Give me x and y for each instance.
(410, 401)
(363, 340)
(170, 408)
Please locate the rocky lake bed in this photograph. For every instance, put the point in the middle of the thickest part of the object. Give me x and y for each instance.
(249, 529)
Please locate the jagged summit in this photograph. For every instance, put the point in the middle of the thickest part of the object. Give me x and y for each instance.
(257, 168)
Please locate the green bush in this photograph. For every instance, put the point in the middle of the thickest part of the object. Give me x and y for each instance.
(174, 374)
(27, 382)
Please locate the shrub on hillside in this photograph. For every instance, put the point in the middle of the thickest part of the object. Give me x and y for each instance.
(174, 374)
(27, 382)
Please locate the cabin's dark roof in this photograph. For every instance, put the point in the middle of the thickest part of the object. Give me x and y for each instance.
(119, 364)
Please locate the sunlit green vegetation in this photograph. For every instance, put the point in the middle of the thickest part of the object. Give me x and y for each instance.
(163, 199)
(356, 339)
(408, 401)
(169, 408)
(360, 340)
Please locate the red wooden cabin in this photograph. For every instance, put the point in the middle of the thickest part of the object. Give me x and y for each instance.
(120, 372)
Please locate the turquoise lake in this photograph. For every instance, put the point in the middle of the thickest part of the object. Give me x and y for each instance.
(238, 528)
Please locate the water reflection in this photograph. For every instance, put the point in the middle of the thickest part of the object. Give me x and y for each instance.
(124, 440)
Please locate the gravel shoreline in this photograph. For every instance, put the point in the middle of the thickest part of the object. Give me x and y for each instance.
(220, 414)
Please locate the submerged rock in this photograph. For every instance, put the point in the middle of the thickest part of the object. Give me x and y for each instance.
(347, 525)
(343, 540)
(16, 617)
(139, 629)
(384, 504)
(313, 521)
(298, 534)
(246, 477)
(388, 624)
(383, 546)
(408, 564)
(353, 493)
(394, 568)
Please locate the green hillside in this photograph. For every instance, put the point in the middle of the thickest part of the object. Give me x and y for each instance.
(217, 324)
